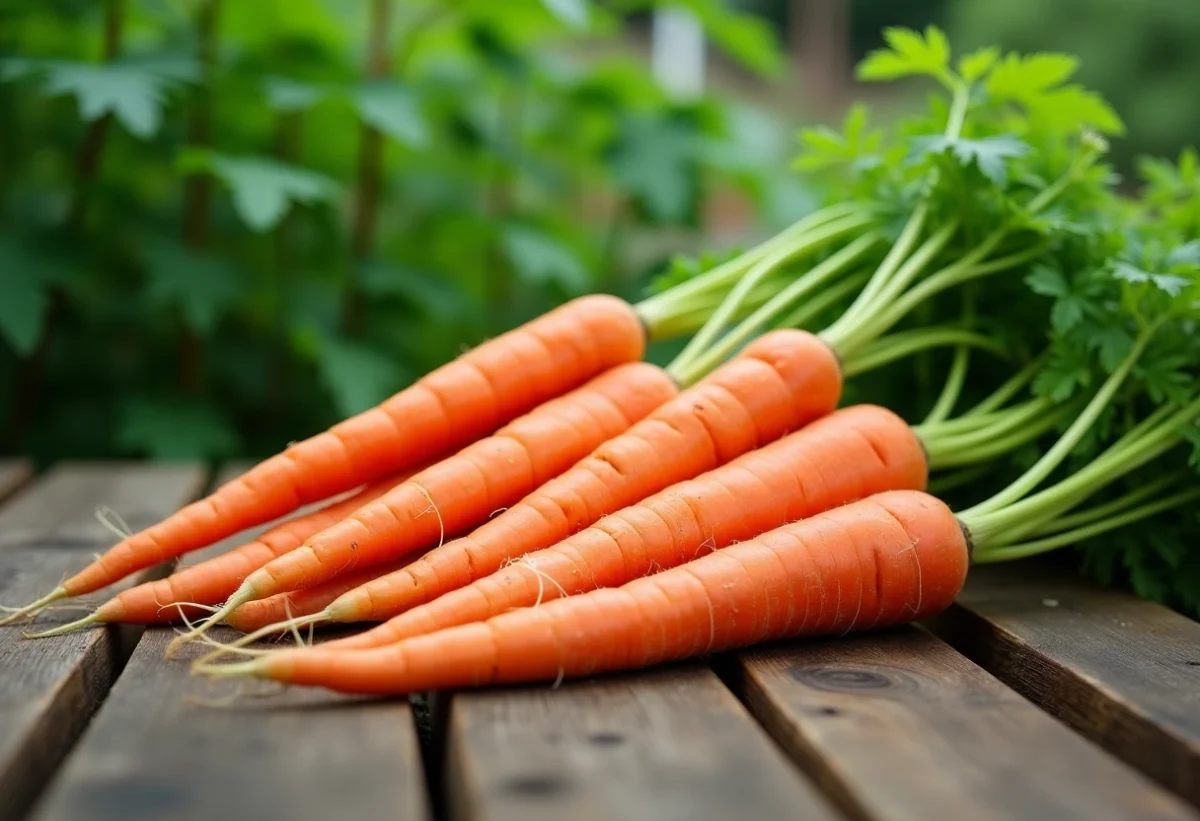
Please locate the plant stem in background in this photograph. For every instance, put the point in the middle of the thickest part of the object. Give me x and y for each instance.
(370, 170)
(611, 276)
(498, 291)
(92, 150)
(288, 131)
(197, 194)
(87, 167)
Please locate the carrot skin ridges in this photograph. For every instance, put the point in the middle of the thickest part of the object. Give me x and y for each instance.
(450, 407)
(850, 454)
(895, 557)
(779, 383)
(462, 491)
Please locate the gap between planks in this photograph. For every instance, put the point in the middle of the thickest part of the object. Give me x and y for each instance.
(1121, 670)
(300, 754)
(898, 726)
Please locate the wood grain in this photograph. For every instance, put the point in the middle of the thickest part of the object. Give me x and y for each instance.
(13, 474)
(672, 743)
(1122, 671)
(164, 746)
(50, 688)
(897, 726)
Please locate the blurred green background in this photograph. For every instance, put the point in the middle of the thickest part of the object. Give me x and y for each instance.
(225, 225)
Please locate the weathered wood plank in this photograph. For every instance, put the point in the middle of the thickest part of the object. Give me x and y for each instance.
(153, 752)
(897, 726)
(13, 474)
(50, 688)
(1122, 671)
(668, 744)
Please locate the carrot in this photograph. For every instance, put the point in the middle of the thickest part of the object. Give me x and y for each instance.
(779, 383)
(889, 559)
(448, 408)
(266, 613)
(212, 581)
(461, 492)
(848, 455)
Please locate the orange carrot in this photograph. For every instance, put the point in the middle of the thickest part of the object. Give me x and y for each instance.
(779, 383)
(889, 559)
(461, 492)
(212, 581)
(257, 615)
(450, 407)
(850, 454)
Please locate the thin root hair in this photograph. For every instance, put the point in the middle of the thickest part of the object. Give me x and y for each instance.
(542, 577)
(113, 522)
(434, 508)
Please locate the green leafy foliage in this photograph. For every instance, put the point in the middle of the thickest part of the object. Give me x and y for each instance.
(746, 38)
(393, 109)
(909, 53)
(25, 280)
(655, 162)
(357, 376)
(233, 270)
(575, 13)
(284, 94)
(1011, 147)
(202, 287)
(175, 429)
(135, 92)
(989, 154)
(262, 188)
(540, 259)
(1137, 54)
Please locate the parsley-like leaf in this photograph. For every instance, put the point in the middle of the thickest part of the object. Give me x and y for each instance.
(989, 154)
(908, 54)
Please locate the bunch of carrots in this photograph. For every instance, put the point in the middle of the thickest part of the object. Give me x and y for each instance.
(550, 505)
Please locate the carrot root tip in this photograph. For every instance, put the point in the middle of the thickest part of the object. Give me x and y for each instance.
(195, 632)
(33, 608)
(256, 667)
(70, 627)
(239, 646)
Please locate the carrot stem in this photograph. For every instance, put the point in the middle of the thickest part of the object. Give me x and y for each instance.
(994, 440)
(690, 366)
(1078, 534)
(912, 268)
(952, 389)
(906, 343)
(660, 308)
(894, 262)
(894, 259)
(811, 308)
(691, 319)
(1082, 424)
(959, 478)
(1139, 446)
(1086, 517)
(1009, 389)
(700, 348)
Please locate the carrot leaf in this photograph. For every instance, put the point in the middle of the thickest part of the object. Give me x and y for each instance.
(909, 53)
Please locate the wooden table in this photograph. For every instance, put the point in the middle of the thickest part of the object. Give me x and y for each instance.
(1029, 699)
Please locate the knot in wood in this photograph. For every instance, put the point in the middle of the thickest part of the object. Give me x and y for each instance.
(843, 679)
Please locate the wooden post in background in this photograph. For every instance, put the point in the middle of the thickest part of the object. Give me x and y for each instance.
(819, 40)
